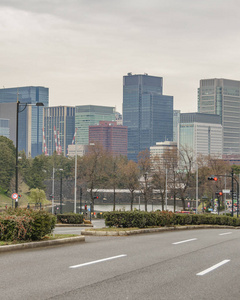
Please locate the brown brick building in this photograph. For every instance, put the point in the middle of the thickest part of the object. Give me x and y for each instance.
(113, 137)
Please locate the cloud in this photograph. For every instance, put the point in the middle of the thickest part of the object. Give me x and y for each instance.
(81, 49)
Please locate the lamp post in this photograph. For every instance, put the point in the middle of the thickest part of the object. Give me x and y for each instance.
(61, 170)
(16, 167)
(145, 189)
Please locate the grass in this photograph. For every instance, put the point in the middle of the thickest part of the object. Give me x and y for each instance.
(46, 238)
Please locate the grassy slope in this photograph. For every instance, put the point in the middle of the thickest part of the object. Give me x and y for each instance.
(23, 201)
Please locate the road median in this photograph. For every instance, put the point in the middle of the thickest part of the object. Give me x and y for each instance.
(119, 232)
(29, 245)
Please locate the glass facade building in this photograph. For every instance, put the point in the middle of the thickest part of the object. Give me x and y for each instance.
(176, 121)
(59, 129)
(86, 115)
(4, 128)
(201, 133)
(222, 97)
(147, 113)
(30, 137)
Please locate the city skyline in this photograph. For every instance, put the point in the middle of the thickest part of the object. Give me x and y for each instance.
(80, 49)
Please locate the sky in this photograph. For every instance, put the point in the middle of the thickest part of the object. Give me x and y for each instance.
(81, 49)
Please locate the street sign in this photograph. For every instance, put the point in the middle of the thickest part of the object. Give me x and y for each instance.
(14, 196)
(226, 191)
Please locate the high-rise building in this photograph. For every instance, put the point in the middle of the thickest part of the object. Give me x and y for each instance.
(201, 133)
(111, 136)
(147, 113)
(30, 116)
(4, 127)
(176, 121)
(222, 97)
(86, 115)
(59, 129)
(8, 111)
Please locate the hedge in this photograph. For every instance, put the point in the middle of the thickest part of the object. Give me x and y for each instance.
(25, 224)
(143, 219)
(70, 218)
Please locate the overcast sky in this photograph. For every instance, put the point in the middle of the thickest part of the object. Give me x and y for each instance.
(81, 49)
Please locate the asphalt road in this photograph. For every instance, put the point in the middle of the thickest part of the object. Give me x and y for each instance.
(193, 264)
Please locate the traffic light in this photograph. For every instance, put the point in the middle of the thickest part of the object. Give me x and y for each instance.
(219, 194)
(95, 197)
(85, 206)
(19, 196)
(212, 177)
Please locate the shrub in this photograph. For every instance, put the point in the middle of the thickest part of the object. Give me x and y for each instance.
(143, 219)
(23, 224)
(70, 218)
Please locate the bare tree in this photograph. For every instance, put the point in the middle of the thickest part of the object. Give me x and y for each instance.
(184, 174)
(130, 173)
(145, 166)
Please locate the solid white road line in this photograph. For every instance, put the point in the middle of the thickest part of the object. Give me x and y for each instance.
(184, 241)
(97, 261)
(213, 267)
(225, 233)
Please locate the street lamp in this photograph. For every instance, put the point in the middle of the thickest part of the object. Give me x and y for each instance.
(18, 111)
(61, 170)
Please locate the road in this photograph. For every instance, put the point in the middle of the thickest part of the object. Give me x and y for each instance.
(193, 264)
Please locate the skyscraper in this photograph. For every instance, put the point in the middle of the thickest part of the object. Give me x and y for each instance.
(59, 128)
(222, 97)
(147, 113)
(86, 115)
(111, 136)
(30, 126)
(201, 133)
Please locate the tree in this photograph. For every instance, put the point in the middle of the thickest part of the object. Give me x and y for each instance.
(130, 173)
(159, 177)
(171, 162)
(7, 162)
(113, 170)
(92, 167)
(144, 163)
(184, 174)
(37, 195)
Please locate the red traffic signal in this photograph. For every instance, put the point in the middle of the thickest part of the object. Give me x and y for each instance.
(213, 178)
(95, 197)
(85, 207)
(219, 194)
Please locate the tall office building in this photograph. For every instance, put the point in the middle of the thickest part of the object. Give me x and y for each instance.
(176, 121)
(4, 127)
(147, 113)
(30, 117)
(86, 115)
(201, 133)
(222, 97)
(59, 129)
(111, 136)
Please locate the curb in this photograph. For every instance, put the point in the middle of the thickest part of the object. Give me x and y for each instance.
(152, 230)
(74, 225)
(29, 245)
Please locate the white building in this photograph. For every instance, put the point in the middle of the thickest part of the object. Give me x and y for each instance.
(202, 133)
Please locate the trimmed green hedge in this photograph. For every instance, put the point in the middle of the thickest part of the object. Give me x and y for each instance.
(142, 219)
(70, 218)
(25, 224)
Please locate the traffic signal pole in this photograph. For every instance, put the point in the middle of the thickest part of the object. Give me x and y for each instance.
(215, 178)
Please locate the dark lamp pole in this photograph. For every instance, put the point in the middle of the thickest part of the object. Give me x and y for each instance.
(18, 111)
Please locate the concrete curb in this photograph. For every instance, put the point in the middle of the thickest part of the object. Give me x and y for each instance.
(151, 230)
(75, 239)
(74, 225)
